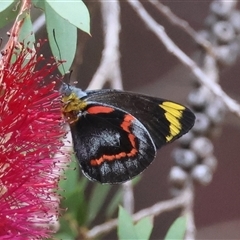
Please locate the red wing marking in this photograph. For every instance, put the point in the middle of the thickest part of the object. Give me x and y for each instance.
(127, 122)
(99, 109)
(125, 126)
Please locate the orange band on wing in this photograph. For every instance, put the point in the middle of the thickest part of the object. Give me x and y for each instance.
(99, 109)
(127, 122)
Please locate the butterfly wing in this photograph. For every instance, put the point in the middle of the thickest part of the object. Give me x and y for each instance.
(112, 146)
(165, 120)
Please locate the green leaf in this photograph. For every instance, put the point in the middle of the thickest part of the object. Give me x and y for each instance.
(62, 38)
(71, 180)
(64, 236)
(117, 199)
(73, 194)
(5, 4)
(114, 203)
(39, 4)
(126, 229)
(9, 13)
(97, 199)
(144, 228)
(26, 33)
(75, 12)
(68, 229)
(76, 205)
(136, 180)
(177, 229)
(26, 37)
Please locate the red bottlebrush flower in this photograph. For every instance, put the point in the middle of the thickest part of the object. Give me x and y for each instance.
(31, 129)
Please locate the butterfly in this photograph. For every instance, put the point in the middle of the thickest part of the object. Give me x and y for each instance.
(116, 134)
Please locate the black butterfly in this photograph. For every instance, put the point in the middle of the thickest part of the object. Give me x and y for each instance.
(116, 133)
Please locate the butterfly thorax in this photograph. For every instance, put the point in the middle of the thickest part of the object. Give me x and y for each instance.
(72, 107)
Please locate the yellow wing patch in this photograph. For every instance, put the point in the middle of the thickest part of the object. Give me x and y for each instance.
(173, 113)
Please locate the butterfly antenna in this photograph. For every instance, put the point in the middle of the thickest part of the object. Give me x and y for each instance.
(71, 71)
(72, 83)
(60, 55)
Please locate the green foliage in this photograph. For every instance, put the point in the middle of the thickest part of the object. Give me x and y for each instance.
(114, 203)
(39, 4)
(62, 38)
(75, 13)
(26, 34)
(97, 200)
(81, 211)
(8, 11)
(62, 20)
(177, 229)
(144, 228)
(73, 196)
(127, 230)
(5, 4)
